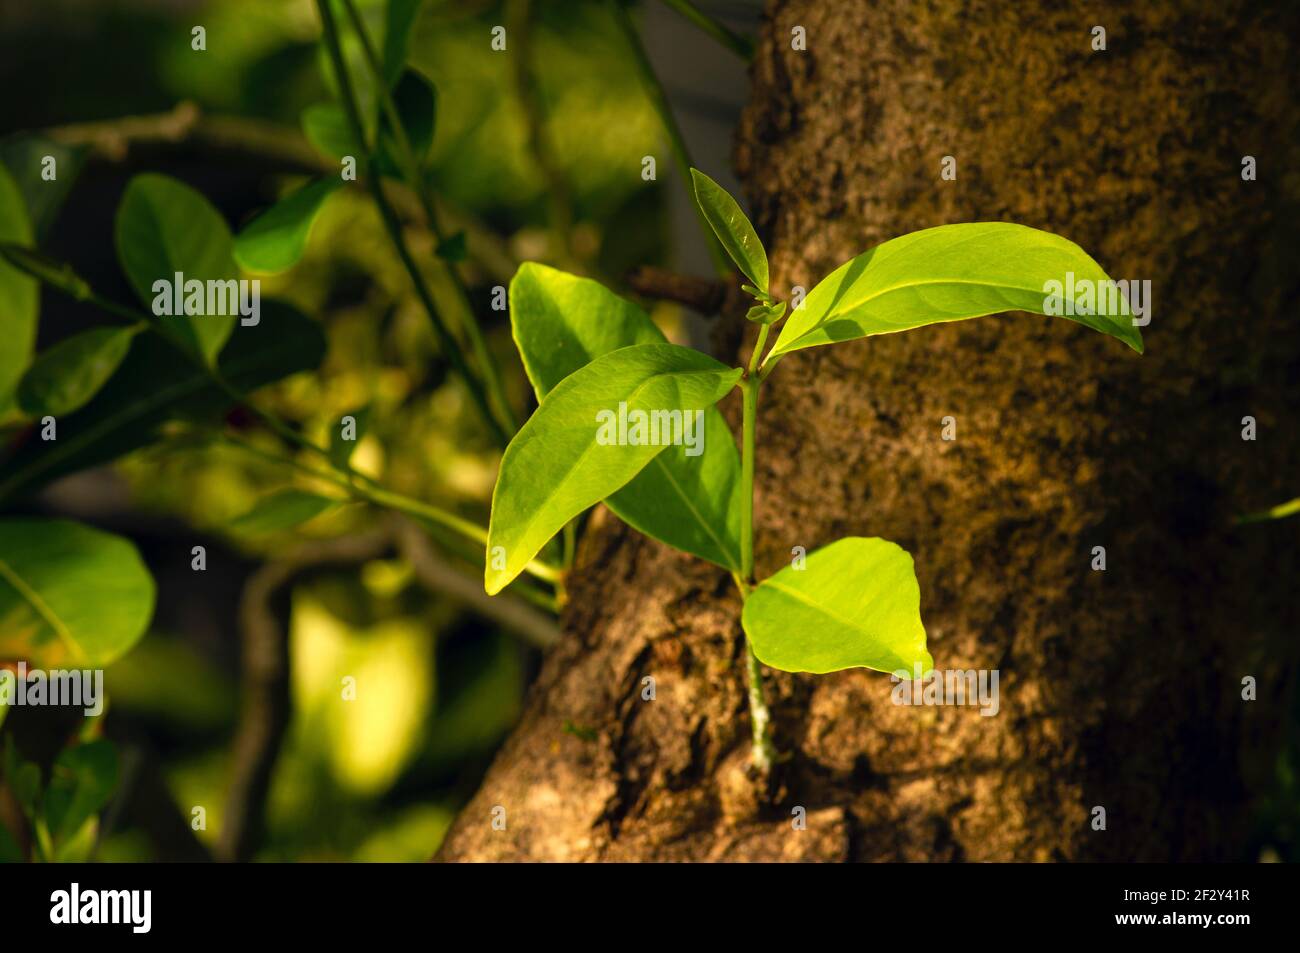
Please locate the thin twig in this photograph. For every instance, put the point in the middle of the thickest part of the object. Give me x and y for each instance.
(516, 616)
(706, 296)
(659, 99)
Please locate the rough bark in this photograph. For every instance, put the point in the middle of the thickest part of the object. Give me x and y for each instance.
(1119, 689)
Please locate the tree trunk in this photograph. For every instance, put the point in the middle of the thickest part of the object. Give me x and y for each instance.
(1120, 689)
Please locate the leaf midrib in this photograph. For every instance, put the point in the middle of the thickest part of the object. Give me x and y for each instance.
(826, 319)
(559, 485)
(10, 575)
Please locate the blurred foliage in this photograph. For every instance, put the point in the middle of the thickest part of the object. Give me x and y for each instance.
(377, 776)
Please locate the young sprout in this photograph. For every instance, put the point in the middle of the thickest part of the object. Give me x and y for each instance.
(627, 418)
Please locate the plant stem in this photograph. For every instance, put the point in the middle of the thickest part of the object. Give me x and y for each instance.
(366, 490)
(762, 752)
(528, 93)
(741, 46)
(416, 182)
(659, 99)
(394, 226)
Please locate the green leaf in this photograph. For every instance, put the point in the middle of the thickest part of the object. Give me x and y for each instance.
(19, 294)
(417, 106)
(326, 127)
(340, 449)
(25, 157)
(280, 511)
(556, 467)
(732, 228)
(947, 274)
(561, 322)
(155, 384)
(63, 378)
(398, 20)
(81, 782)
(855, 604)
(164, 227)
(275, 240)
(69, 594)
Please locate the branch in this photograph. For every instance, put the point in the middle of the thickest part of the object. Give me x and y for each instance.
(707, 296)
(535, 627)
(264, 713)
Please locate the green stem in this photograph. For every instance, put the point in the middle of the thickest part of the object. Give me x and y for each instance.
(741, 46)
(528, 92)
(367, 490)
(394, 225)
(419, 186)
(762, 751)
(659, 99)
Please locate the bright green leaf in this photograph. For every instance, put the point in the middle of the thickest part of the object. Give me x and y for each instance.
(81, 783)
(855, 604)
(163, 228)
(556, 466)
(66, 376)
(69, 594)
(561, 322)
(275, 240)
(19, 294)
(949, 273)
(732, 228)
(281, 511)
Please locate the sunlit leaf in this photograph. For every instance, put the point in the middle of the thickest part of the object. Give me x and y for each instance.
(69, 594)
(732, 228)
(276, 239)
(556, 466)
(855, 604)
(561, 322)
(950, 273)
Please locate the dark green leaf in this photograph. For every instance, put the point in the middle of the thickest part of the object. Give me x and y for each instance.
(561, 322)
(25, 157)
(399, 19)
(559, 464)
(281, 511)
(81, 783)
(69, 594)
(275, 240)
(155, 384)
(63, 378)
(163, 228)
(732, 228)
(417, 104)
(947, 274)
(855, 604)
